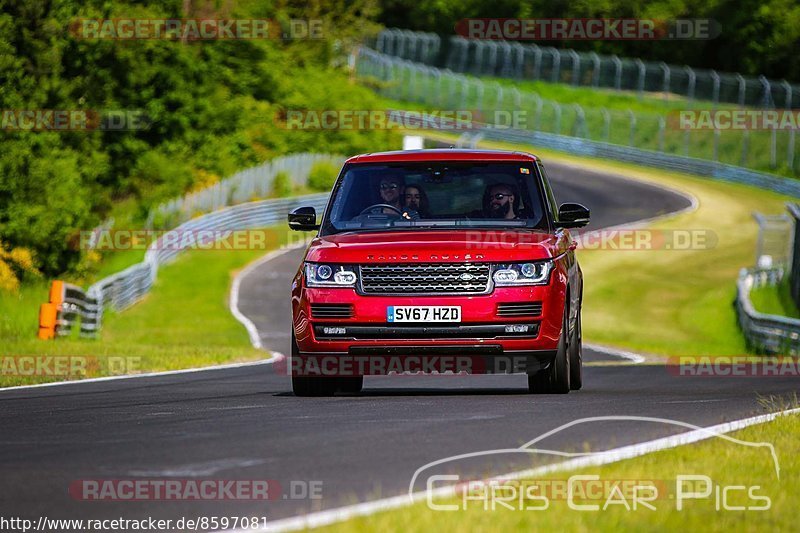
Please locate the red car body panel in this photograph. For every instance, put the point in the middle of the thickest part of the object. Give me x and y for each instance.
(439, 246)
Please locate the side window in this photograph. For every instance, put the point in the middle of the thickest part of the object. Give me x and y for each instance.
(551, 200)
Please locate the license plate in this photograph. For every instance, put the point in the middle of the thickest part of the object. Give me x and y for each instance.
(423, 313)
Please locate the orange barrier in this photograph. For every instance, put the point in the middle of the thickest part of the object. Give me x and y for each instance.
(48, 312)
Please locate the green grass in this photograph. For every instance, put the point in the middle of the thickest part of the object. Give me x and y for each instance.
(671, 302)
(730, 146)
(775, 300)
(183, 322)
(725, 463)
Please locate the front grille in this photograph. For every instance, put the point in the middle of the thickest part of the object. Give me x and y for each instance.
(519, 309)
(425, 278)
(331, 311)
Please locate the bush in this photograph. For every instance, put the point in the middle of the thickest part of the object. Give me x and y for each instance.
(322, 176)
(282, 185)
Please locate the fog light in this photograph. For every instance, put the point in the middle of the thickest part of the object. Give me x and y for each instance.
(518, 328)
(334, 331)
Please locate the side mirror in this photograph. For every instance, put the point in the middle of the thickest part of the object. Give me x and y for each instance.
(572, 216)
(303, 219)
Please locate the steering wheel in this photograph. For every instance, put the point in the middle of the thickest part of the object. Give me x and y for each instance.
(373, 207)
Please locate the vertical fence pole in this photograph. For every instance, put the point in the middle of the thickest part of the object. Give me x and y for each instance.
(662, 125)
(632, 117)
(596, 70)
(692, 82)
(666, 71)
(618, 72)
(642, 74)
(788, 104)
(576, 67)
(715, 95)
(606, 123)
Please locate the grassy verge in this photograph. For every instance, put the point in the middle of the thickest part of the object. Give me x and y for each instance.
(667, 301)
(775, 300)
(725, 463)
(750, 149)
(183, 322)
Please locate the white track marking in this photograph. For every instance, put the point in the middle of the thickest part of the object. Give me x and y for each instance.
(635, 357)
(148, 375)
(332, 516)
(233, 301)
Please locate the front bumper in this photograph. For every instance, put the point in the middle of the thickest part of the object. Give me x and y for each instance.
(491, 343)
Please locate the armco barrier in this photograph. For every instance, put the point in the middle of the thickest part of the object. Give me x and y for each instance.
(125, 288)
(771, 334)
(69, 305)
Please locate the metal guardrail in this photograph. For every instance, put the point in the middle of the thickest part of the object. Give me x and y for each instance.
(510, 59)
(244, 186)
(70, 304)
(405, 80)
(771, 334)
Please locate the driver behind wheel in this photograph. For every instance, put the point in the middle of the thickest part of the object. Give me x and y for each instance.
(391, 190)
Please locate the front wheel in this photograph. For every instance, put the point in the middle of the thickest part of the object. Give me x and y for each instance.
(555, 379)
(310, 385)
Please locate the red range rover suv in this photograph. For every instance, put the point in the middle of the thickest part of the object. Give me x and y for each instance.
(438, 261)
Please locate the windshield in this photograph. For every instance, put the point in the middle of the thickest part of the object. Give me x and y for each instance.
(436, 195)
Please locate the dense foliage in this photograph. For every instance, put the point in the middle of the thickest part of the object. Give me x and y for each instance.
(757, 36)
(213, 106)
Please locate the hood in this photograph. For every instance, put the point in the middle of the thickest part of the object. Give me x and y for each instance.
(433, 246)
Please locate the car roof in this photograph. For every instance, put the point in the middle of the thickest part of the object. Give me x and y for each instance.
(442, 154)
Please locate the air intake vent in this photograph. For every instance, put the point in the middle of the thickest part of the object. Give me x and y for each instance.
(520, 309)
(331, 311)
(426, 278)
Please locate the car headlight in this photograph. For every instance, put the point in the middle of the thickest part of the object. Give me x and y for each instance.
(515, 274)
(328, 275)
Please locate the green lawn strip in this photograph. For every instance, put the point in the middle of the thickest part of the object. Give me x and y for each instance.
(774, 300)
(727, 464)
(184, 322)
(670, 302)
(701, 141)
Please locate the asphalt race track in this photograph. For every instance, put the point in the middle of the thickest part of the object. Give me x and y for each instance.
(244, 423)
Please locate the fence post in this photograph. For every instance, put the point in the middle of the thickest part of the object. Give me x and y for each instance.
(742, 88)
(576, 67)
(557, 113)
(618, 74)
(788, 104)
(662, 124)
(580, 121)
(692, 82)
(632, 116)
(715, 95)
(666, 71)
(642, 74)
(596, 73)
(745, 147)
(766, 100)
(537, 62)
(519, 50)
(606, 123)
(555, 76)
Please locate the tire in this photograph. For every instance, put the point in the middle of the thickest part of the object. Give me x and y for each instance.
(576, 354)
(311, 386)
(351, 385)
(555, 379)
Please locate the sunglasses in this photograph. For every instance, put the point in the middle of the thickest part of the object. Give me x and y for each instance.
(500, 196)
(387, 186)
